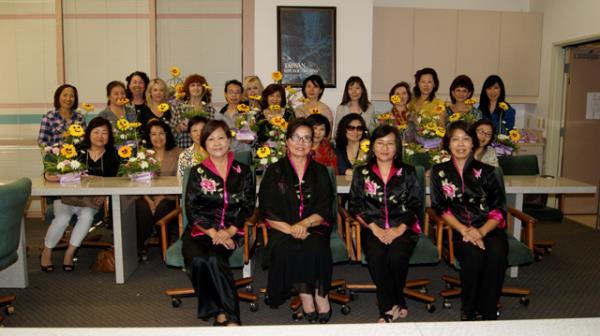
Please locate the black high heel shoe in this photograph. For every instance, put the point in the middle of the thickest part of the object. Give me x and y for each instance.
(324, 317)
(47, 269)
(311, 317)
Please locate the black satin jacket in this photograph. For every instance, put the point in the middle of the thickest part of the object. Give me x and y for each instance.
(472, 198)
(214, 203)
(386, 204)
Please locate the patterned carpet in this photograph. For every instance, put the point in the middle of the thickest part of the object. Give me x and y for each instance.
(566, 283)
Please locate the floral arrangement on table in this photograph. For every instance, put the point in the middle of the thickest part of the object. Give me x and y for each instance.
(428, 132)
(62, 161)
(507, 144)
(409, 149)
(245, 123)
(276, 148)
(126, 133)
(174, 82)
(294, 97)
(142, 166)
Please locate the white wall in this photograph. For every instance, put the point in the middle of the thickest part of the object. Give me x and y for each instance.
(354, 28)
(490, 5)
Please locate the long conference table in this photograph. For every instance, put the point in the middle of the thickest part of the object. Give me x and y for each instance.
(123, 193)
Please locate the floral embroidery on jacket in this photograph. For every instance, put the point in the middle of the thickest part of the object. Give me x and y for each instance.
(208, 185)
(449, 189)
(477, 173)
(237, 169)
(399, 172)
(371, 187)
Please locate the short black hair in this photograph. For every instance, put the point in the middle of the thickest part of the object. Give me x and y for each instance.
(212, 126)
(271, 89)
(484, 122)
(341, 141)
(170, 138)
(315, 80)
(436, 82)
(380, 132)
(196, 120)
(297, 123)
(459, 125)
(233, 82)
(59, 91)
(95, 123)
(319, 119)
(461, 81)
(129, 78)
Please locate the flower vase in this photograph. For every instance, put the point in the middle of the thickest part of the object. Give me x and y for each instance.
(429, 143)
(74, 177)
(245, 134)
(141, 176)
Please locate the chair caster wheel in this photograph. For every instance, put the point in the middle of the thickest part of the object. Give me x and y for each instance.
(9, 310)
(524, 301)
(423, 290)
(346, 309)
(254, 307)
(430, 307)
(447, 304)
(175, 302)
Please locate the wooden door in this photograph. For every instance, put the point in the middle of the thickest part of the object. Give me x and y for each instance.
(581, 136)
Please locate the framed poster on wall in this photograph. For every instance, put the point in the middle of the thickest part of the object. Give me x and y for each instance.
(306, 44)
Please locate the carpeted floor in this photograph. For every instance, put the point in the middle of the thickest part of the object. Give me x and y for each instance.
(566, 283)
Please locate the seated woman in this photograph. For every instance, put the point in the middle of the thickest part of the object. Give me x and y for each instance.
(322, 151)
(350, 132)
(100, 158)
(117, 106)
(484, 129)
(56, 122)
(220, 195)
(273, 105)
(151, 208)
(468, 195)
(385, 198)
(194, 154)
(296, 201)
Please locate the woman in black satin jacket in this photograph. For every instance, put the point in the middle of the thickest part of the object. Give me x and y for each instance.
(468, 195)
(220, 195)
(385, 198)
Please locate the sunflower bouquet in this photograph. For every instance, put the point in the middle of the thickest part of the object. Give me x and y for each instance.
(142, 166)
(428, 132)
(245, 123)
(363, 152)
(507, 144)
(62, 161)
(126, 133)
(175, 84)
(275, 148)
(74, 134)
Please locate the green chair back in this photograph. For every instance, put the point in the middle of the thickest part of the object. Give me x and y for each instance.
(13, 200)
(425, 251)
(339, 252)
(519, 165)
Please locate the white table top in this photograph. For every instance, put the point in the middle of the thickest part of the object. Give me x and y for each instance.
(94, 185)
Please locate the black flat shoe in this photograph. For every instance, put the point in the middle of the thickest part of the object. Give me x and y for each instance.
(324, 317)
(311, 317)
(68, 268)
(386, 318)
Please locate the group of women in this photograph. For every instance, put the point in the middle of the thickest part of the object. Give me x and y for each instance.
(296, 198)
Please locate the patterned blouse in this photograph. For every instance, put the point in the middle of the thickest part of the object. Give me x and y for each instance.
(53, 126)
(189, 158)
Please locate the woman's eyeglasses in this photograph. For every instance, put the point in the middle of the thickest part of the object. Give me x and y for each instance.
(301, 139)
(484, 133)
(354, 128)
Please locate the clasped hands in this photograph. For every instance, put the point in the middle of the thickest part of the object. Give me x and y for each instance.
(222, 237)
(299, 231)
(387, 236)
(474, 236)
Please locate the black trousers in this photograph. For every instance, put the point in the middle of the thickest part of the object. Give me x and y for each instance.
(145, 220)
(388, 266)
(482, 273)
(211, 276)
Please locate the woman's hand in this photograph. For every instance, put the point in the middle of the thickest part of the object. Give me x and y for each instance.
(378, 232)
(348, 172)
(183, 125)
(229, 244)
(474, 236)
(220, 237)
(299, 231)
(393, 233)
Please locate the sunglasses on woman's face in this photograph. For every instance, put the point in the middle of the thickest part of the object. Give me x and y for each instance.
(354, 128)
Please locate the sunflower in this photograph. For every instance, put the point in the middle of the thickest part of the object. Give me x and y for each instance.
(123, 124)
(243, 108)
(402, 126)
(274, 107)
(179, 88)
(440, 131)
(291, 90)
(278, 121)
(440, 108)
(232, 133)
(263, 152)
(365, 145)
(164, 107)
(454, 117)
(514, 135)
(68, 151)
(123, 101)
(125, 152)
(315, 111)
(277, 76)
(503, 106)
(257, 98)
(179, 95)
(207, 87)
(432, 126)
(395, 99)
(76, 130)
(470, 101)
(175, 71)
(385, 116)
(87, 107)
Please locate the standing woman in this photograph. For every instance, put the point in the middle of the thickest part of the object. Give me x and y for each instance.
(468, 195)
(385, 198)
(461, 91)
(194, 154)
(355, 100)
(56, 122)
(350, 132)
(220, 195)
(312, 90)
(484, 129)
(156, 94)
(197, 98)
(273, 105)
(137, 82)
(117, 107)
(424, 101)
(399, 96)
(493, 106)
(100, 158)
(296, 201)
(151, 208)
(322, 150)
(252, 88)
